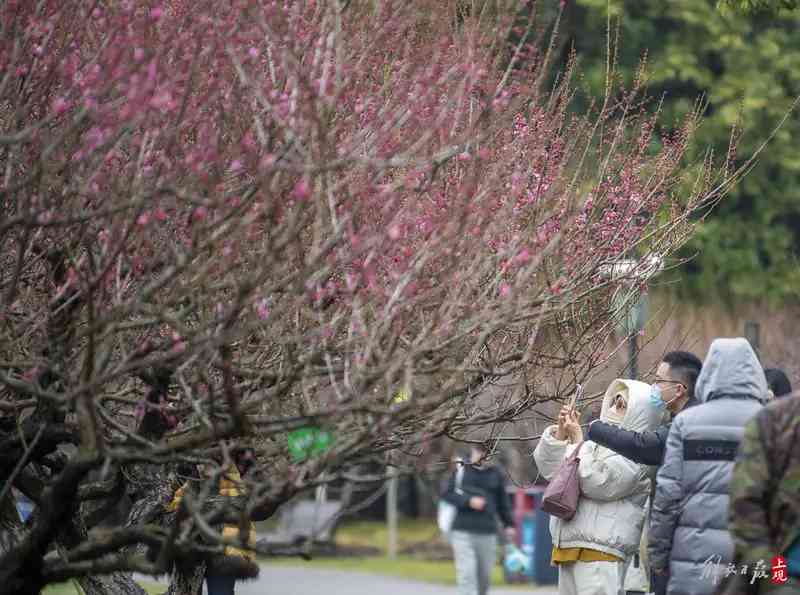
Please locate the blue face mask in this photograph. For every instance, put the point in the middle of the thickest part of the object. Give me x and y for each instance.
(656, 399)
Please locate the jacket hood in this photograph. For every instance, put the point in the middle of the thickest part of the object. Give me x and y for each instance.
(641, 414)
(731, 368)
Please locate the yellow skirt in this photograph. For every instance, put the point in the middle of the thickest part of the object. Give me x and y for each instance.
(581, 554)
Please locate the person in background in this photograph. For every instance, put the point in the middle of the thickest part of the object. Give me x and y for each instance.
(235, 563)
(592, 548)
(689, 539)
(765, 499)
(778, 382)
(673, 389)
(480, 501)
(245, 460)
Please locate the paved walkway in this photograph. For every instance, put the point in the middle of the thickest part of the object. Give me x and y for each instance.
(306, 580)
(303, 580)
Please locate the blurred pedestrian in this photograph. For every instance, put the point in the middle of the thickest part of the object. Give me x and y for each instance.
(778, 382)
(234, 563)
(592, 547)
(480, 499)
(765, 500)
(689, 539)
(244, 457)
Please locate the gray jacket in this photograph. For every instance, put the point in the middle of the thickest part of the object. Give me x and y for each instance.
(689, 521)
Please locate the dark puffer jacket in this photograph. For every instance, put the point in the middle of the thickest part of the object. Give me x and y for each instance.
(689, 520)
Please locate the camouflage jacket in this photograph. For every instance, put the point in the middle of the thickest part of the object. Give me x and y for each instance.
(765, 487)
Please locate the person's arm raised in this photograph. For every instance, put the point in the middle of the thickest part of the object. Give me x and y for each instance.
(646, 448)
(550, 452)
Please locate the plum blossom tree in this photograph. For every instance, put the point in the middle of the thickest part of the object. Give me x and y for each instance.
(231, 221)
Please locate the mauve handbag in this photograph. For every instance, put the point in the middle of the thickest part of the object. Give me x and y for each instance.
(561, 496)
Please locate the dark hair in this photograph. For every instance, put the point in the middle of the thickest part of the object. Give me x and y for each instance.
(245, 459)
(778, 382)
(685, 366)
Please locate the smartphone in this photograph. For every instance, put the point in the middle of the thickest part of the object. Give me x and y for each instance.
(576, 395)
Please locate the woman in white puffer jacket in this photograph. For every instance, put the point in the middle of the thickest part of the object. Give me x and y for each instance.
(592, 548)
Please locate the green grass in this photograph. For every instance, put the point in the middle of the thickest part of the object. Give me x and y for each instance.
(71, 588)
(376, 534)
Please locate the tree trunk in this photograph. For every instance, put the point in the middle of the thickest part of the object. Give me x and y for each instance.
(187, 581)
(10, 524)
(119, 583)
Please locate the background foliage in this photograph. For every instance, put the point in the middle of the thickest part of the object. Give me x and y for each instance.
(760, 5)
(744, 62)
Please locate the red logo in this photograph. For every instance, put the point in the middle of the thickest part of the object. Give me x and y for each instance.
(779, 575)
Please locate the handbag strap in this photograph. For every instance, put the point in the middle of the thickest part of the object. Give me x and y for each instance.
(459, 478)
(574, 454)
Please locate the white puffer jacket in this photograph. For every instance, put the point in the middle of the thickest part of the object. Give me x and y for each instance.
(614, 490)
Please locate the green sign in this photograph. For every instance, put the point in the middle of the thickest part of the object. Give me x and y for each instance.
(309, 442)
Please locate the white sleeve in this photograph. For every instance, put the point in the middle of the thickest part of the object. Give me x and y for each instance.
(549, 453)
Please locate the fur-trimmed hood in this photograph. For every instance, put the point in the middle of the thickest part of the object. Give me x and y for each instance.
(641, 415)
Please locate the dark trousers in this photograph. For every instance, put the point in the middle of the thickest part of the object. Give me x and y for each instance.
(220, 585)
